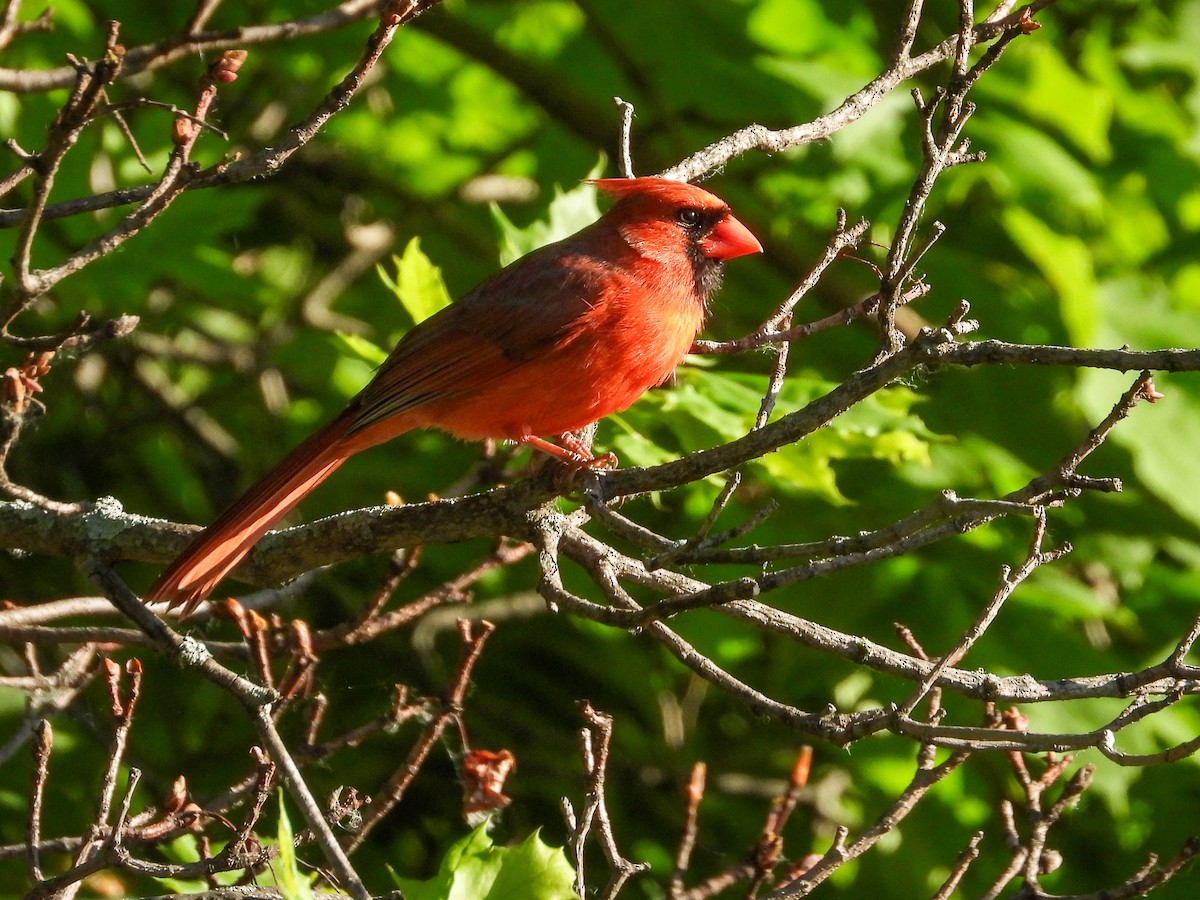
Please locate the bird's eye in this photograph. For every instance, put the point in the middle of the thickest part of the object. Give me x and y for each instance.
(688, 217)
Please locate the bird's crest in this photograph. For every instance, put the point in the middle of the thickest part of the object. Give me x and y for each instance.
(666, 189)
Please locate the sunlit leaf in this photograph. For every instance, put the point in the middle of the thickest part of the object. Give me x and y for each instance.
(569, 211)
(360, 347)
(418, 283)
(476, 869)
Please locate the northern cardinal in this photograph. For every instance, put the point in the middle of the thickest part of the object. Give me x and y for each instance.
(559, 339)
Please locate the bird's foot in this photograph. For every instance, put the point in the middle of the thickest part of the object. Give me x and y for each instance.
(572, 452)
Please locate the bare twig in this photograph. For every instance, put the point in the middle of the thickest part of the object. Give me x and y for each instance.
(595, 742)
(41, 770)
(922, 782)
(11, 29)
(969, 854)
(687, 841)
(1009, 580)
(770, 331)
(392, 793)
(256, 699)
(902, 68)
(187, 45)
(626, 136)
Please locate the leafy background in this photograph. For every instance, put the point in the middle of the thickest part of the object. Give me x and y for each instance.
(1081, 227)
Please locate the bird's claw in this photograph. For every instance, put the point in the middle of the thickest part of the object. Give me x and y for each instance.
(605, 462)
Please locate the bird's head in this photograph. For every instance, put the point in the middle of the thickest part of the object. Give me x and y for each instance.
(696, 214)
(671, 221)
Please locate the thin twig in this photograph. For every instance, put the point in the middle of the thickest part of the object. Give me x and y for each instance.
(596, 741)
(922, 781)
(687, 841)
(1009, 581)
(256, 699)
(968, 855)
(390, 795)
(626, 138)
(172, 49)
(43, 744)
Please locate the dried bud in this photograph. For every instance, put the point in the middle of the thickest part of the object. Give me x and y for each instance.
(1050, 862)
(1013, 719)
(231, 609)
(14, 390)
(302, 635)
(484, 774)
(38, 364)
(182, 131)
(20, 384)
(396, 13)
(1150, 393)
(225, 69)
(257, 622)
(178, 797)
(112, 680)
(802, 767)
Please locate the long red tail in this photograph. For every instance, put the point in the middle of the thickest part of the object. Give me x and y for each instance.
(221, 546)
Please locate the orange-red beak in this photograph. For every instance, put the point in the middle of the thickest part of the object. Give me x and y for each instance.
(729, 238)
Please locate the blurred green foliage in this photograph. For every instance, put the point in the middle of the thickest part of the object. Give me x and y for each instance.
(1082, 227)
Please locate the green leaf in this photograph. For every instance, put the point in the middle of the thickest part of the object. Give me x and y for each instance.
(359, 346)
(795, 27)
(418, 284)
(1059, 97)
(1162, 438)
(1066, 263)
(1031, 165)
(569, 211)
(183, 850)
(292, 883)
(1060, 594)
(542, 28)
(476, 869)
(635, 449)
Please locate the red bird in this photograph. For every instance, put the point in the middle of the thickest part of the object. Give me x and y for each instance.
(562, 337)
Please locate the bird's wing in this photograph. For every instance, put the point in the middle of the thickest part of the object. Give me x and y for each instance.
(534, 305)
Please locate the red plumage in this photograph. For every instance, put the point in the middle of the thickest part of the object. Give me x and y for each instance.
(562, 337)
